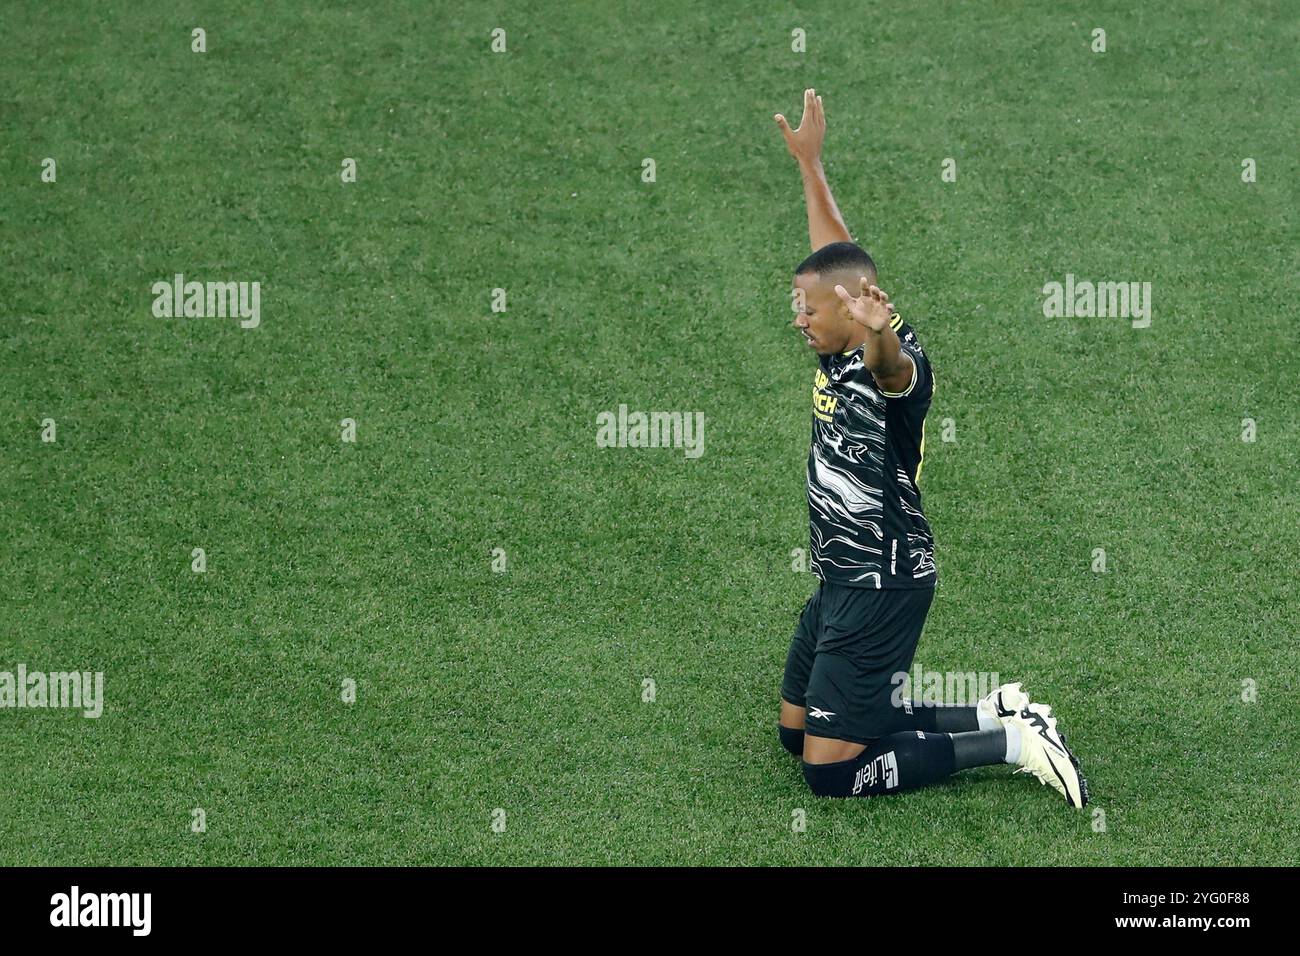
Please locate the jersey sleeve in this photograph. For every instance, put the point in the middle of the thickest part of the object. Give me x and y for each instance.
(921, 388)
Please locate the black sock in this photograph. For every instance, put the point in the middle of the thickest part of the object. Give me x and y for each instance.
(791, 739)
(980, 748)
(937, 718)
(889, 765)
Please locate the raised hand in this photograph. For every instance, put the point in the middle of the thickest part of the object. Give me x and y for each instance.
(871, 309)
(805, 143)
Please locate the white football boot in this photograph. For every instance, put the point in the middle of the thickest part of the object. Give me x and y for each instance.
(1044, 754)
(1003, 703)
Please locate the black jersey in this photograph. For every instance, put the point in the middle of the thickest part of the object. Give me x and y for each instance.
(864, 506)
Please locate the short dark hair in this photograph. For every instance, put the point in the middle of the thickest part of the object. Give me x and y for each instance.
(838, 257)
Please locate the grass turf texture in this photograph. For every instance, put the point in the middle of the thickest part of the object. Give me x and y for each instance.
(476, 431)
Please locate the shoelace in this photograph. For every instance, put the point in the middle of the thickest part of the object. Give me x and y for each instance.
(1040, 774)
(1044, 774)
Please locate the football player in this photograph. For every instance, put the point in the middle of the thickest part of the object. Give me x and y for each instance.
(871, 546)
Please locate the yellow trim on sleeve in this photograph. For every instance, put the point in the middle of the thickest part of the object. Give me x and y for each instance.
(916, 371)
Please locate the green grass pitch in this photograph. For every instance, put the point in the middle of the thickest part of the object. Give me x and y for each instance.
(372, 561)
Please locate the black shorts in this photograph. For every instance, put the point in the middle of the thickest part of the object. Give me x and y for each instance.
(847, 649)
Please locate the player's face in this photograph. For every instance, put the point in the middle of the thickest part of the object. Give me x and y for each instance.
(823, 321)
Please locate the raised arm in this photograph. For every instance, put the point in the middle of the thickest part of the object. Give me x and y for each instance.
(825, 224)
(882, 353)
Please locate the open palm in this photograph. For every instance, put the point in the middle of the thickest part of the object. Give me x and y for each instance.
(871, 309)
(805, 143)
